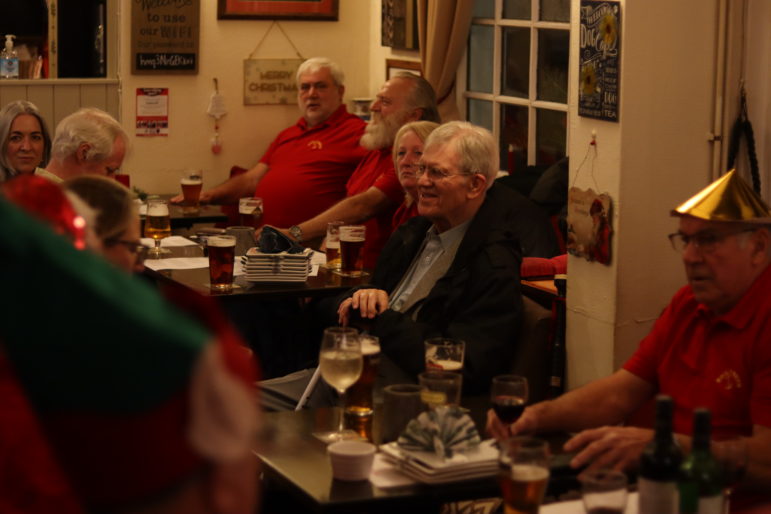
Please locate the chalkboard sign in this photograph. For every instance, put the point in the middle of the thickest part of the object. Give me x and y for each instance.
(599, 59)
(164, 36)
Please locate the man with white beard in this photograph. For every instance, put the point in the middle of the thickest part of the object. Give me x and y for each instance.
(373, 191)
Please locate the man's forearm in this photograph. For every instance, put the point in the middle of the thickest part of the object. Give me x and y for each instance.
(354, 209)
(239, 186)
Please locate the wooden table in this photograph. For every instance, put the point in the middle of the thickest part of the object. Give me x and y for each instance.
(206, 214)
(326, 283)
(298, 475)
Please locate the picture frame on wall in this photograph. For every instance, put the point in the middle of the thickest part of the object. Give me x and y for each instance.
(315, 10)
(394, 66)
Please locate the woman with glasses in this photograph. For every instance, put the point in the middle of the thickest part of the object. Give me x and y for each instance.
(25, 139)
(407, 151)
(117, 219)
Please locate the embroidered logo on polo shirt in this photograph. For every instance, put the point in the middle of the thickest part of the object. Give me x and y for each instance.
(315, 144)
(729, 379)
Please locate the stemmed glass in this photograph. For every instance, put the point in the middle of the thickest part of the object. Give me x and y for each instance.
(340, 362)
(157, 224)
(509, 397)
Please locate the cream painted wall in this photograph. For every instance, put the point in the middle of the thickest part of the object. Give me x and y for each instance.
(656, 157)
(246, 130)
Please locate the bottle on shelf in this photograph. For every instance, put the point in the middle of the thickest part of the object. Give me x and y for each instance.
(660, 465)
(9, 59)
(701, 482)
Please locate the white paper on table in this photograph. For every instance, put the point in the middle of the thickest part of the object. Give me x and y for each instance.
(168, 242)
(314, 270)
(385, 474)
(577, 506)
(177, 263)
(318, 259)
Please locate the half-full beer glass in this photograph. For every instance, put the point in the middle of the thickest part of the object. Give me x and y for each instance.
(351, 245)
(524, 465)
(191, 183)
(359, 396)
(222, 253)
(250, 211)
(444, 354)
(157, 224)
(332, 244)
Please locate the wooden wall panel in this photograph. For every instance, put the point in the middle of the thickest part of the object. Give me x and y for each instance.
(66, 101)
(93, 95)
(43, 97)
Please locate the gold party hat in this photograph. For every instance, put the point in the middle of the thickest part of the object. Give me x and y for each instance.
(729, 198)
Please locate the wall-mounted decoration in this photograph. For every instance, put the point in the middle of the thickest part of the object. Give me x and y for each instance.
(316, 10)
(599, 60)
(152, 111)
(164, 37)
(400, 24)
(270, 81)
(589, 224)
(394, 66)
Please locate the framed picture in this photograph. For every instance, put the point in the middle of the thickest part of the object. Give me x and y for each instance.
(399, 24)
(394, 66)
(316, 10)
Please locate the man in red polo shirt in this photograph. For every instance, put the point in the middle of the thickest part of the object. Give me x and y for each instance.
(711, 347)
(306, 168)
(373, 191)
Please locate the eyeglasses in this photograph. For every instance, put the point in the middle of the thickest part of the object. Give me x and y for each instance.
(435, 174)
(706, 241)
(134, 247)
(111, 171)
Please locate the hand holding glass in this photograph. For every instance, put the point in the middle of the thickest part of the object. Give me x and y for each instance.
(191, 183)
(509, 397)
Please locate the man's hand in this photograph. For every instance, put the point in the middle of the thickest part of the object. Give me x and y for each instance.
(369, 302)
(609, 447)
(526, 424)
(205, 197)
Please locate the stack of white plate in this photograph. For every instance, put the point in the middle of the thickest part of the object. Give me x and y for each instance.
(276, 267)
(426, 467)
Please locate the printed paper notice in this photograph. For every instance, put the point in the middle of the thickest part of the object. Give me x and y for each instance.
(152, 111)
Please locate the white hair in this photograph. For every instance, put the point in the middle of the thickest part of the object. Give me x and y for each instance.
(475, 147)
(91, 126)
(315, 64)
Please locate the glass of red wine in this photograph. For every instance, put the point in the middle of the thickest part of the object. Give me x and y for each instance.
(509, 397)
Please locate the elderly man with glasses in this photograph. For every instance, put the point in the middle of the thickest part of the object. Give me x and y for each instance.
(453, 271)
(711, 347)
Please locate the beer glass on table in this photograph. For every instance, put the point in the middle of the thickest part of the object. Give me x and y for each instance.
(440, 388)
(340, 362)
(359, 398)
(222, 255)
(157, 225)
(508, 394)
(351, 244)
(524, 473)
(191, 183)
(444, 354)
(250, 211)
(332, 244)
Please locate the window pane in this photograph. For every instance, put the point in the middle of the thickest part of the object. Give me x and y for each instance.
(553, 55)
(516, 62)
(480, 112)
(516, 9)
(484, 9)
(513, 137)
(550, 135)
(480, 59)
(554, 10)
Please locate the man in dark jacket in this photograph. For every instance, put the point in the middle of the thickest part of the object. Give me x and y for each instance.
(453, 271)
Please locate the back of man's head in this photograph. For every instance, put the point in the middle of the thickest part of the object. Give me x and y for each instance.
(91, 126)
(315, 64)
(474, 146)
(421, 97)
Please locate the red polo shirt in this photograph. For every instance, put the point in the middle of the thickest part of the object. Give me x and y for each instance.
(719, 362)
(377, 169)
(309, 168)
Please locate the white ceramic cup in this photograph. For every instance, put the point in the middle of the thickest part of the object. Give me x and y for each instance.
(351, 460)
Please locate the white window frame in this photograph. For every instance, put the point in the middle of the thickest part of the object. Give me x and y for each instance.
(497, 99)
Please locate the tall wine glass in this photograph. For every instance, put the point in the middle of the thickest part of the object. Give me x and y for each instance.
(341, 363)
(509, 396)
(157, 224)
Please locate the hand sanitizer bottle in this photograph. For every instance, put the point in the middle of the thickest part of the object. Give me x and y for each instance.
(9, 60)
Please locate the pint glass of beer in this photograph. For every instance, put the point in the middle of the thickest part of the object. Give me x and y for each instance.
(359, 397)
(524, 465)
(250, 210)
(333, 244)
(157, 224)
(191, 182)
(351, 245)
(222, 253)
(444, 354)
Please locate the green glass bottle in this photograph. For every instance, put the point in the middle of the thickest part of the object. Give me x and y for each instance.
(701, 481)
(660, 465)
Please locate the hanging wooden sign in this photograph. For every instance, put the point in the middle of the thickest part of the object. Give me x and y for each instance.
(599, 58)
(164, 37)
(270, 81)
(589, 225)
